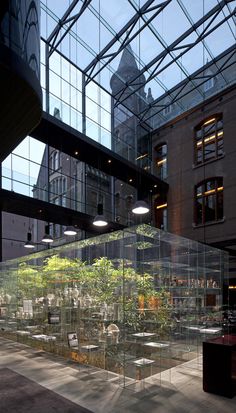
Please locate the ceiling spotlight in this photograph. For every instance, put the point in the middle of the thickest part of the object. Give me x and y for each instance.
(70, 230)
(29, 244)
(100, 220)
(140, 207)
(47, 238)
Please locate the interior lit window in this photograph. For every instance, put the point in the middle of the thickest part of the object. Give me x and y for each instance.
(161, 161)
(209, 201)
(208, 84)
(160, 206)
(209, 140)
(167, 111)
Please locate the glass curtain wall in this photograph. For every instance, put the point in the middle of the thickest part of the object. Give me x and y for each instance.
(42, 172)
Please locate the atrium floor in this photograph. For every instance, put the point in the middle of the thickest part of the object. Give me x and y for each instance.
(103, 392)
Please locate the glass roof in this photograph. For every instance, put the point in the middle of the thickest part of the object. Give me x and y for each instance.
(178, 45)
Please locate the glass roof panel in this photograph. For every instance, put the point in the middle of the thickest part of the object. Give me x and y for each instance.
(138, 3)
(115, 13)
(222, 37)
(194, 8)
(207, 5)
(96, 38)
(166, 23)
(84, 32)
(149, 45)
(197, 9)
(48, 21)
(220, 40)
(104, 77)
(156, 88)
(80, 52)
(172, 75)
(189, 60)
(59, 7)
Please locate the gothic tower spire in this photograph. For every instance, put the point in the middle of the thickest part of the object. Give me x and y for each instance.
(126, 72)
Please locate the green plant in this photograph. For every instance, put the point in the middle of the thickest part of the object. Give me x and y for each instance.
(29, 280)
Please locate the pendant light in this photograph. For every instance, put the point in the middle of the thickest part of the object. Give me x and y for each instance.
(100, 220)
(140, 208)
(29, 244)
(47, 238)
(70, 230)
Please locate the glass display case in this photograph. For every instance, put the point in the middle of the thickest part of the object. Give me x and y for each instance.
(135, 302)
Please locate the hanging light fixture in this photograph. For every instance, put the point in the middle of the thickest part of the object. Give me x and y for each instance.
(29, 244)
(140, 208)
(100, 220)
(47, 238)
(70, 230)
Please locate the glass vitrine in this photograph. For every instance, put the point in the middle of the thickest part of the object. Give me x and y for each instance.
(134, 303)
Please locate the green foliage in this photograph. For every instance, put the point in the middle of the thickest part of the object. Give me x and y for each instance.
(105, 279)
(56, 263)
(29, 280)
(144, 284)
(104, 282)
(63, 269)
(147, 231)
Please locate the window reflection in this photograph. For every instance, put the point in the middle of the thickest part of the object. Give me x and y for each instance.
(160, 206)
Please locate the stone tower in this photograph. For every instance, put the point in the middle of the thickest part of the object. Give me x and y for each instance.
(130, 136)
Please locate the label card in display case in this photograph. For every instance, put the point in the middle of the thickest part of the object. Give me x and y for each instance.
(72, 340)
